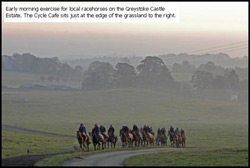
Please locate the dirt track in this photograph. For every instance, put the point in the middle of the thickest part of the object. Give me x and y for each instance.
(111, 158)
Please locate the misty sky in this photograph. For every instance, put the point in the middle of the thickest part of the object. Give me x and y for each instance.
(202, 25)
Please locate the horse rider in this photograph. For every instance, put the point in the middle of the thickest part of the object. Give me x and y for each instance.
(152, 130)
(112, 130)
(136, 129)
(182, 132)
(171, 129)
(125, 129)
(163, 131)
(103, 130)
(148, 129)
(145, 128)
(141, 130)
(176, 132)
(96, 129)
(82, 129)
(158, 131)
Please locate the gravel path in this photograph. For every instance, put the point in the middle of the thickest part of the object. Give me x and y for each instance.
(111, 158)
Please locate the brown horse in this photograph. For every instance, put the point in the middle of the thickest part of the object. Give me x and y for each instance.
(183, 141)
(97, 140)
(137, 139)
(83, 140)
(105, 139)
(172, 138)
(112, 139)
(130, 139)
(151, 139)
(145, 138)
(178, 141)
(124, 138)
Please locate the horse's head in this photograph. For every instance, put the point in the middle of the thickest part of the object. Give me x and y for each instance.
(78, 133)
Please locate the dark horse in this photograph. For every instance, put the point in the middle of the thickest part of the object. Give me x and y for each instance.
(172, 138)
(183, 140)
(83, 140)
(97, 140)
(112, 139)
(161, 138)
(145, 138)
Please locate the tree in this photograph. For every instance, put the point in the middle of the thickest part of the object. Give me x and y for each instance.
(219, 82)
(232, 79)
(98, 76)
(202, 80)
(184, 67)
(153, 73)
(124, 75)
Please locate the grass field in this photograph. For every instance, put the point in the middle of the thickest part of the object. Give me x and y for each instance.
(193, 157)
(62, 112)
(208, 124)
(15, 79)
(16, 144)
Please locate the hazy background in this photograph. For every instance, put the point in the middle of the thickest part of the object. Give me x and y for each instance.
(201, 25)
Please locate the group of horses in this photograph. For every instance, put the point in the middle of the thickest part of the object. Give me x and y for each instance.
(132, 138)
(129, 139)
(98, 141)
(177, 140)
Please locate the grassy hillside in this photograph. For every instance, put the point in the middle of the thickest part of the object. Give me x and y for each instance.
(61, 112)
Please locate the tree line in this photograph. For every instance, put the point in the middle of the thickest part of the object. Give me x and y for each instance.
(50, 66)
(151, 73)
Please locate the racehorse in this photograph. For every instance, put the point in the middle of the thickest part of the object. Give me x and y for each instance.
(161, 138)
(183, 143)
(145, 138)
(136, 138)
(172, 138)
(130, 139)
(178, 140)
(106, 137)
(126, 139)
(96, 140)
(83, 140)
(112, 139)
(151, 138)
